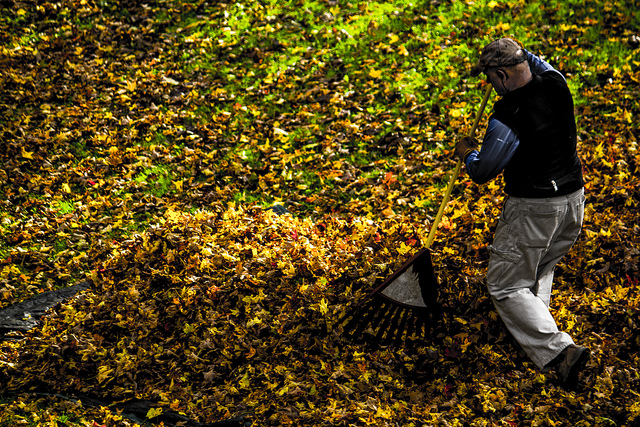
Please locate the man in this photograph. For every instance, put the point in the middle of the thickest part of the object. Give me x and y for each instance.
(531, 139)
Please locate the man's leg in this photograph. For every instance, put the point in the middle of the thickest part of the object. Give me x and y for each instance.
(526, 232)
(562, 243)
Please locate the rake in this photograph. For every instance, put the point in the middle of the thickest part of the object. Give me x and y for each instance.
(405, 306)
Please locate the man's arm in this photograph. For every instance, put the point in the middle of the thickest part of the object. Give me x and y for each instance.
(498, 146)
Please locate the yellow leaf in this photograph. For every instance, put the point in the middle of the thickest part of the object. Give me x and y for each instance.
(421, 202)
(384, 413)
(570, 325)
(132, 86)
(375, 73)
(394, 38)
(255, 321)
(27, 154)
(403, 249)
(178, 184)
(478, 325)
(172, 215)
(388, 212)
(244, 382)
(104, 373)
(492, 4)
(324, 306)
(605, 233)
(66, 188)
(455, 112)
(154, 412)
(403, 50)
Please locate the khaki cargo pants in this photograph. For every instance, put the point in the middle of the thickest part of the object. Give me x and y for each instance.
(531, 237)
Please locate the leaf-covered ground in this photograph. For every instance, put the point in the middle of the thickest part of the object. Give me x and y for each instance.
(143, 142)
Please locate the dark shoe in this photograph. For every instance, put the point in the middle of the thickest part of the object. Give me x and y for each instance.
(573, 360)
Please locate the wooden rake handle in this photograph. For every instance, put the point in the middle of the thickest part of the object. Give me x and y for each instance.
(456, 171)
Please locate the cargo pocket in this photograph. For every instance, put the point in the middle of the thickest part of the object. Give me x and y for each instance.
(510, 256)
(502, 266)
(539, 225)
(509, 212)
(507, 234)
(505, 252)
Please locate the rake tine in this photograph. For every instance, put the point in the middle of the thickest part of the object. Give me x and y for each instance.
(377, 322)
(355, 314)
(412, 326)
(349, 320)
(385, 330)
(424, 324)
(409, 324)
(372, 311)
(402, 327)
(419, 325)
(380, 314)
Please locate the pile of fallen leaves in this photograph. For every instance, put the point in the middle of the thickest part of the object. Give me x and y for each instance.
(212, 312)
(220, 314)
(142, 144)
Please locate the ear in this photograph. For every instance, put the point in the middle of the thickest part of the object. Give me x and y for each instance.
(501, 74)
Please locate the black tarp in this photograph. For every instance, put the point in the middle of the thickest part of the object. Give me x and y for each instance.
(24, 316)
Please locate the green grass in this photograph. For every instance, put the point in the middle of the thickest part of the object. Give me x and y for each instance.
(157, 180)
(63, 207)
(248, 198)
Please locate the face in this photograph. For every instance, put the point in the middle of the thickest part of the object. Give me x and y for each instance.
(496, 81)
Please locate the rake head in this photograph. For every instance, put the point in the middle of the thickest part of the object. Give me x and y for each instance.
(403, 308)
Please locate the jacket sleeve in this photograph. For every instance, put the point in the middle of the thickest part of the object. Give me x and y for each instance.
(498, 146)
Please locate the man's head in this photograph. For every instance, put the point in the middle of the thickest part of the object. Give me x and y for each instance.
(504, 61)
(500, 53)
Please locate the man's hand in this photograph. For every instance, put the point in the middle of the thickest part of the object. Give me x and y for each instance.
(465, 146)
